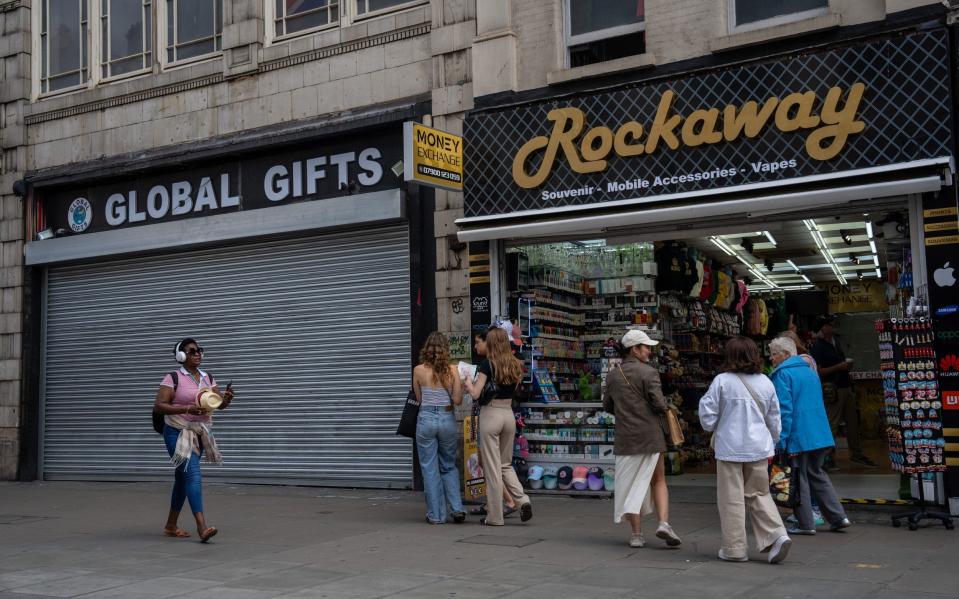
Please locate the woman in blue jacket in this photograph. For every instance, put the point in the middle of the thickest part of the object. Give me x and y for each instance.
(805, 436)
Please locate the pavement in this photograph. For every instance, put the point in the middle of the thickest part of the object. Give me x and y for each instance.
(72, 539)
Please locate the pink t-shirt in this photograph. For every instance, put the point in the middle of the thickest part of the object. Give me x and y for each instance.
(187, 390)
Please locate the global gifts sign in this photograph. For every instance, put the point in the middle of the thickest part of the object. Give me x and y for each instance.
(828, 114)
(318, 170)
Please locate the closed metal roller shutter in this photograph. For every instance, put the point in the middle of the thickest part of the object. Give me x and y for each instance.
(314, 333)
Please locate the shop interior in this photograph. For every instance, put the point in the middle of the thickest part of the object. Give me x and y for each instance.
(692, 287)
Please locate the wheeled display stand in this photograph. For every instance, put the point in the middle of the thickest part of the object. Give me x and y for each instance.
(923, 512)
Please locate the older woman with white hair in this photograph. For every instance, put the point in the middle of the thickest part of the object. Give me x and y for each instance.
(805, 436)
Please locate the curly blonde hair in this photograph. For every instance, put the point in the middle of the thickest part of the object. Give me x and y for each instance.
(435, 355)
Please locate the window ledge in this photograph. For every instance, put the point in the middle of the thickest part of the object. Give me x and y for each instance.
(629, 63)
(765, 34)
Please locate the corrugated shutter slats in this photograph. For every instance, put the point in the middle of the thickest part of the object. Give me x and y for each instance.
(314, 332)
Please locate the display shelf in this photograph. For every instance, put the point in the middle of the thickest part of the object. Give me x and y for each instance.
(587, 493)
(541, 301)
(551, 439)
(551, 356)
(564, 322)
(557, 337)
(564, 422)
(562, 404)
(572, 458)
(555, 287)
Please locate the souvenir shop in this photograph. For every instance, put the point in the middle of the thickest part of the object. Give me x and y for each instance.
(745, 201)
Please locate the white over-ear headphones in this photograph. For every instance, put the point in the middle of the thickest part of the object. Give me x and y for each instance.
(178, 354)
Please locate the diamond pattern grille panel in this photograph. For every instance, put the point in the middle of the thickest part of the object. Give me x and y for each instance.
(906, 108)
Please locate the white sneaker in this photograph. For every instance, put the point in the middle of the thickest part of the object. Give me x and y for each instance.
(780, 549)
(726, 558)
(637, 541)
(666, 533)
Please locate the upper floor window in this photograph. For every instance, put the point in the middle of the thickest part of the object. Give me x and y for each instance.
(601, 30)
(64, 50)
(126, 36)
(365, 7)
(293, 16)
(194, 28)
(755, 14)
(118, 37)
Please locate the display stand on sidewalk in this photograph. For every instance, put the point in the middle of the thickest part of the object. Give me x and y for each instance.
(913, 408)
(915, 517)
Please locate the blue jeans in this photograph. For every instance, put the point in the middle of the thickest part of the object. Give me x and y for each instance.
(436, 439)
(187, 477)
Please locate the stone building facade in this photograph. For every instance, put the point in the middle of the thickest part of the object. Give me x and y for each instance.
(445, 55)
(357, 60)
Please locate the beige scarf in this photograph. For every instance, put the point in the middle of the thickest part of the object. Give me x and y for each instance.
(191, 434)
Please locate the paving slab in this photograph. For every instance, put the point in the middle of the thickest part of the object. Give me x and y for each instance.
(104, 540)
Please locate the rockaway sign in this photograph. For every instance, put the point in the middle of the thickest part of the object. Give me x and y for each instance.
(875, 106)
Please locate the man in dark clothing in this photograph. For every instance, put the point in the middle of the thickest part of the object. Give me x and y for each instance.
(837, 389)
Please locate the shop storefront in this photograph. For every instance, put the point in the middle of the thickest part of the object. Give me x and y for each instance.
(292, 261)
(741, 201)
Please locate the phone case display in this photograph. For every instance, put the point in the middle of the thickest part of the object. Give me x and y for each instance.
(544, 386)
(558, 353)
(912, 401)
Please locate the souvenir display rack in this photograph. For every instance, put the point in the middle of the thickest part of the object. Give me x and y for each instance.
(913, 407)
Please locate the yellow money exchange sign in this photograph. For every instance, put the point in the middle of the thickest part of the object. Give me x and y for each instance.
(432, 157)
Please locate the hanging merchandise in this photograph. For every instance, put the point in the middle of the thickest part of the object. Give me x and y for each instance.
(743, 296)
(912, 401)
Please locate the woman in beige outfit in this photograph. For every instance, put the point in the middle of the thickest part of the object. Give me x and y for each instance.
(742, 410)
(498, 425)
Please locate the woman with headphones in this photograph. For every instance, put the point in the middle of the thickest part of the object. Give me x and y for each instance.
(187, 433)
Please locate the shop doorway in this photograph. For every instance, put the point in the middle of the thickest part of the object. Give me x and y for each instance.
(693, 285)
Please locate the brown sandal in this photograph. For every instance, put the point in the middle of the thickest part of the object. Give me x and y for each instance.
(207, 534)
(179, 533)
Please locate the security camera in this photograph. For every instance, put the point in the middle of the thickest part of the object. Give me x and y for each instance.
(397, 168)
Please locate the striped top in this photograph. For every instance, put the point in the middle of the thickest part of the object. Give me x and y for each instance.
(433, 396)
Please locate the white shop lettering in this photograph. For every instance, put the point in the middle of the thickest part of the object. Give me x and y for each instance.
(211, 194)
(300, 178)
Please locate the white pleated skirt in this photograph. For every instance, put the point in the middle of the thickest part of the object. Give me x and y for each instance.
(633, 475)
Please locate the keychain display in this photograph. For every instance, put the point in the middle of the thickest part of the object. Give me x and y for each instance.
(912, 404)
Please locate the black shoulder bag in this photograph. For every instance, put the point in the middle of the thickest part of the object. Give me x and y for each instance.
(158, 421)
(490, 389)
(411, 411)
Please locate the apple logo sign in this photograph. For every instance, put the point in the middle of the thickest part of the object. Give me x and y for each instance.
(945, 276)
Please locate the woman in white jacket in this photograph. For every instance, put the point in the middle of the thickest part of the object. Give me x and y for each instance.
(742, 410)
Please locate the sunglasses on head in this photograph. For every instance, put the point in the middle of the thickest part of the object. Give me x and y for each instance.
(194, 351)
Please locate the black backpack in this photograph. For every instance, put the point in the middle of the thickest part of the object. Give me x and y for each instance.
(158, 422)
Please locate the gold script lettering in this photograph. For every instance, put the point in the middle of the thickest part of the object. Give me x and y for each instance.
(804, 118)
(664, 125)
(593, 154)
(841, 123)
(749, 118)
(624, 148)
(588, 150)
(561, 137)
(707, 133)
